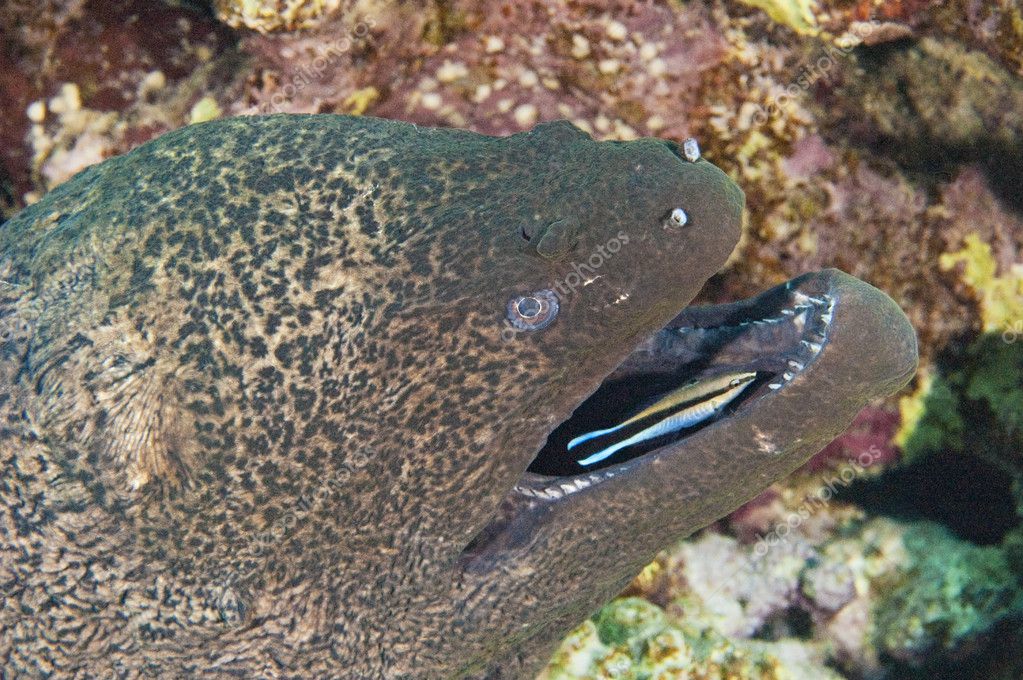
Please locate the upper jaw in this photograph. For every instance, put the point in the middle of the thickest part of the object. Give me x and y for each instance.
(824, 336)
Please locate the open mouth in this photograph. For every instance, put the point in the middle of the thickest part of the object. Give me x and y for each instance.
(708, 364)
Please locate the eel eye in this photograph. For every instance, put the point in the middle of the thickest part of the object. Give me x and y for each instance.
(677, 219)
(534, 311)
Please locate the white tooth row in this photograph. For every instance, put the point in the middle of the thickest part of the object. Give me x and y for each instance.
(814, 347)
(770, 320)
(561, 489)
(803, 303)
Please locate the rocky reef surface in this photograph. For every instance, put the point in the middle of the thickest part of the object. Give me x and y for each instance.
(883, 137)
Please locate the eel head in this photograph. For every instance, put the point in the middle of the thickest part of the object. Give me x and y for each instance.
(306, 387)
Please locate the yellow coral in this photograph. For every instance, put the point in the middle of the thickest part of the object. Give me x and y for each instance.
(796, 14)
(359, 101)
(912, 408)
(1000, 297)
(271, 15)
(205, 109)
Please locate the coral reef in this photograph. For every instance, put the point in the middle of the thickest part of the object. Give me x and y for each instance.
(632, 639)
(873, 591)
(1000, 296)
(879, 136)
(995, 28)
(947, 594)
(972, 401)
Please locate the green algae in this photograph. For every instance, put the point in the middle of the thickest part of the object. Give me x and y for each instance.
(972, 405)
(974, 398)
(950, 593)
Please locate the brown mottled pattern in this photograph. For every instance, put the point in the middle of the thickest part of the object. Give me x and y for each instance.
(256, 401)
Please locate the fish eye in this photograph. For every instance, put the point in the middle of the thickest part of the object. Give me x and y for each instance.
(534, 311)
(677, 218)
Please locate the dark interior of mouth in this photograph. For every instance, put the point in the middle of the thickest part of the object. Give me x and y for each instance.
(775, 336)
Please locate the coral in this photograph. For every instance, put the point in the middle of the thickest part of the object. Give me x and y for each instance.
(633, 639)
(930, 418)
(331, 68)
(796, 14)
(974, 406)
(110, 51)
(1000, 297)
(870, 590)
(273, 15)
(973, 401)
(993, 27)
(617, 69)
(81, 137)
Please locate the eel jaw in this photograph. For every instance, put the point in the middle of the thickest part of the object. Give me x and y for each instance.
(778, 335)
(824, 333)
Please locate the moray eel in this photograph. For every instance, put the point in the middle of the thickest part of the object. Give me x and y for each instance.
(290, 396)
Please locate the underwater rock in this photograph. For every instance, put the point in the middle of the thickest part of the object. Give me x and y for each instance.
(110, 55)
(995, 28)
(616, 69)
(876, 590)
(934, 97)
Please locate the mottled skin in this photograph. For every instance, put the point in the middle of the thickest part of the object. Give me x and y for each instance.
(256, 400)
(259, 419)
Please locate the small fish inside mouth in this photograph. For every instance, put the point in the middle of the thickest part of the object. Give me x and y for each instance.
(682, 408)
(708, 364)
